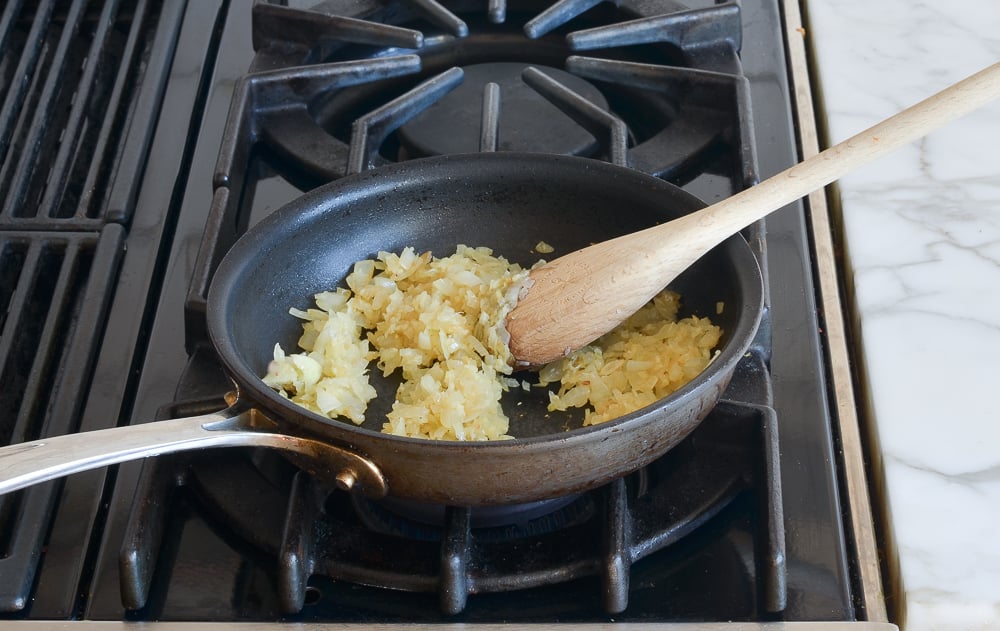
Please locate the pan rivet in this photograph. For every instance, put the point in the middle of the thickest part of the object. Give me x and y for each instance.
(346, 479)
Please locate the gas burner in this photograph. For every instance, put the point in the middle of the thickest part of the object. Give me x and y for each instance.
(528, 122)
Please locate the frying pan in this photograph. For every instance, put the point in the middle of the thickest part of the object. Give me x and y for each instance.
(505, 201)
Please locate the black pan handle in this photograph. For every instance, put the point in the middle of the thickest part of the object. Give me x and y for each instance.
(239, 425)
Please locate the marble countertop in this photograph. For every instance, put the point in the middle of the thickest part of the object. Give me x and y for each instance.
(922, 235)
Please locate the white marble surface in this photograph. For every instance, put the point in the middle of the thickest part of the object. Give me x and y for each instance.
(923, 237)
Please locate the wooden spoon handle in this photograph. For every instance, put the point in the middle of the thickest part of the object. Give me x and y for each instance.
(735, 213)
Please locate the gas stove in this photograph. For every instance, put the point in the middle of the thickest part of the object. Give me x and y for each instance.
(189, 122)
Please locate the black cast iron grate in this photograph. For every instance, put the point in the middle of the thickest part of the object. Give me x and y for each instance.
(74, 78)
(355, 97)
(322, 539)
(691, 487)
(55, 289)
(80, 84)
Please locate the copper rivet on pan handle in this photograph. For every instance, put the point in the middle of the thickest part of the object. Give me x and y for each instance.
(346, 479)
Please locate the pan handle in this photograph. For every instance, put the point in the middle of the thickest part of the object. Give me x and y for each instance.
(239, 425)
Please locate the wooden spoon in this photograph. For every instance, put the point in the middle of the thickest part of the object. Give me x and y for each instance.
(576, 298)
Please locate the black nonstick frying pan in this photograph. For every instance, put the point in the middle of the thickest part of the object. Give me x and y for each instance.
(508, 202)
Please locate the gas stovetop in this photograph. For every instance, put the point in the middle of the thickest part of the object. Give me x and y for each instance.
(199, 119)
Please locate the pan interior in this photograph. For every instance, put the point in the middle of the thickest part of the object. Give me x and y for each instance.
(508, 203)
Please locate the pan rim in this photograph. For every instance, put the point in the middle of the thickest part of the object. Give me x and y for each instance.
(372, 182)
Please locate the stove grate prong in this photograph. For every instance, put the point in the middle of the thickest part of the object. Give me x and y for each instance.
(441, 16)
(280, 26)
(772, 564)
(696, 28)
(656, 77)
(368, 131)
(489, 138)
(617, 559)
(297, 554)
(456, 550)
(497, 11)
(610, 130)
(260, 92)
(556, 15)
(704, 90)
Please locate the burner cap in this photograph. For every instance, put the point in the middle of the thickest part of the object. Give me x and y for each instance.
(528, 122)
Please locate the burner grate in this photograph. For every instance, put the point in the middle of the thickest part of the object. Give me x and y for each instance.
(54, 294)
(689, 487)
(685, 117)
(317, 536)
(75, 76)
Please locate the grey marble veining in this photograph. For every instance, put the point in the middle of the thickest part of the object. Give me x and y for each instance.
(922, 230)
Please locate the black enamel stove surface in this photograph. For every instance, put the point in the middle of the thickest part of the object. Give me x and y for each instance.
(262, 103)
